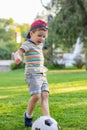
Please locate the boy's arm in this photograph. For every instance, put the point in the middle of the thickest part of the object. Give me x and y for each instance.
(18, 56)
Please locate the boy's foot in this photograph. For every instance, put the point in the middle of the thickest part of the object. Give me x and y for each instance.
(27, 121)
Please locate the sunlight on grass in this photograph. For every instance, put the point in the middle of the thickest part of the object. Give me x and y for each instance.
(12, 91)
(65, 90)
(3, 97)
(68, 87)
(78, 104)
(66, 71)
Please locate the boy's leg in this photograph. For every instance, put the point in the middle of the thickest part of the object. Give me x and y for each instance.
(44, 103)
(31, 104)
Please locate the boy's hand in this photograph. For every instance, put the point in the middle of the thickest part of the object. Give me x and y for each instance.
(17, 58)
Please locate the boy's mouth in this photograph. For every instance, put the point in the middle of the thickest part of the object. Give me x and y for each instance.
(38, 41)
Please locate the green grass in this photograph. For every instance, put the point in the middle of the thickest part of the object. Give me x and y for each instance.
(67, 99)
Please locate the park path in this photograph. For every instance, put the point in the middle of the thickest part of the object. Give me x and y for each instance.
(5, 65)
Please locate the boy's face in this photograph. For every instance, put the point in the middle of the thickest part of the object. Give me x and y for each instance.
(38, 36)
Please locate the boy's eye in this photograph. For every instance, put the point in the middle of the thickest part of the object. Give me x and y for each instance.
(44, 36)
(41, 36)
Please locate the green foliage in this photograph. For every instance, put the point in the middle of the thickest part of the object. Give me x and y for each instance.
(6, 22)
(2, 32)
(69, 22)
(47, 56)
(8, 30)
(15, 66)
(6, 49)
(24, 30)
(9, 35)
(12, 46)
(4, 53)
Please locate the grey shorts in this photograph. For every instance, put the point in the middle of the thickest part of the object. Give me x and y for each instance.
(37, 83)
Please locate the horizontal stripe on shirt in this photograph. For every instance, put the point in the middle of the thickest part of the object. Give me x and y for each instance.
(34, 59)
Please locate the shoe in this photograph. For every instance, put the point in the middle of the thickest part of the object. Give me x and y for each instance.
(27, 121)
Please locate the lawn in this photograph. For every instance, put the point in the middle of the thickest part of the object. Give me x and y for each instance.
(67, 99)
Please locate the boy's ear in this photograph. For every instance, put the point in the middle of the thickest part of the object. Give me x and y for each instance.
(31, 33)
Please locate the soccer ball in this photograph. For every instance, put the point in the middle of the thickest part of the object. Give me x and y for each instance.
(45, 123)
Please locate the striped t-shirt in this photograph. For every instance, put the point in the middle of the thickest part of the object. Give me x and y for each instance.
(34, 59)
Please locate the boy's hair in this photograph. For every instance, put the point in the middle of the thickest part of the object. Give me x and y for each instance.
(38, 24)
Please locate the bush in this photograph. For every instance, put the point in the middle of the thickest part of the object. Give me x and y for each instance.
(4, 53)
(12, 46)
(14, 66)
(6, 49)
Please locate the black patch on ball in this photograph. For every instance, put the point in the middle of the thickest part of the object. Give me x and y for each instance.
(37, 128)
(48, 122)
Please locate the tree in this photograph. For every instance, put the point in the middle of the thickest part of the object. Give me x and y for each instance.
(7, 32)
(8, 36)
(69, 22)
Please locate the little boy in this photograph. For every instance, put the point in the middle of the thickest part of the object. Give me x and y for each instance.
(34, 68)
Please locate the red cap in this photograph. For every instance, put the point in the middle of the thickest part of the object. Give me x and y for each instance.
(38, 24)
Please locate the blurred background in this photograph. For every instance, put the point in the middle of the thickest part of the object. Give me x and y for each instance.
(66, 45)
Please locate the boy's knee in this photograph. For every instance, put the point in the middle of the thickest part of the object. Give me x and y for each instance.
(44, 95)
(36, 97)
